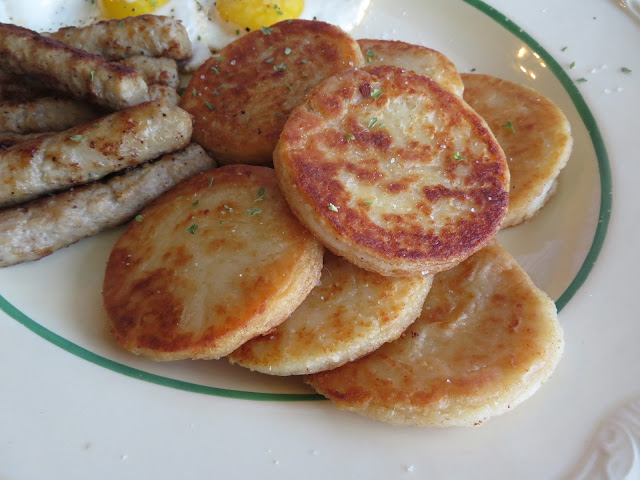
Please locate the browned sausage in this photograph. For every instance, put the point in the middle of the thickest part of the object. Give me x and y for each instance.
(39, 228)
(91, 151)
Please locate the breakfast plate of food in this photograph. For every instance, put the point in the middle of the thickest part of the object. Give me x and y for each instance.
(361, 238)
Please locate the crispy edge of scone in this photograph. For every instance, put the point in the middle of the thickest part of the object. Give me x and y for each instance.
(241, 97)
(157, 334)
(420, 59)
(322, 202)
(479, 393)
(347, 331)
(535, 136)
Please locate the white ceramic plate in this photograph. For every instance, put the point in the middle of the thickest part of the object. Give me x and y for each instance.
(75, 404)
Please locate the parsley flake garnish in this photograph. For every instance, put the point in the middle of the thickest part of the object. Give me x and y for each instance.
(581, 80)
(370, 54)
(228, 208)
(254, 211)
(458, 156)
(509, 125)
(209, 106)
(287, 51)
(266, 30)
(91, 76)
(76, 138)
(210, 182)
(237, 31)
(563, 49)
(372, 122)
(192, 229)
(194, 92)
(332, 207)
(282, 66)
(268, 60)
(215, 70)
(139, 218)
(368, 204)
(261, 193)
(625, 70)
(121, 24)
(376, 93)
(289, 86)
(572, 64)
(96, 125)
(349, 136)
(196, 203)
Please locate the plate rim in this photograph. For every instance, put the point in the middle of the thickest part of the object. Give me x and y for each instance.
(606, 194)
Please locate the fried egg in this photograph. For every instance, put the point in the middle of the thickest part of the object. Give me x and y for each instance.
(211, 25)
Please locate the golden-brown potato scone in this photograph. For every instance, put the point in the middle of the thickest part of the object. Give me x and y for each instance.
(486, 340)
(210, 264)
(392, 172)
(534, 134)
(350, 313)
(241, 97)
(422, 60)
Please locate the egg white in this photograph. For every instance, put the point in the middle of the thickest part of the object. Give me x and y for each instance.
(346, 14)
(48, 15)
(205, 27)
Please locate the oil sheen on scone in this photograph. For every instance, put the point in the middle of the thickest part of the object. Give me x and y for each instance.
(350, 313)
(393, 172)
(241, 98)
(486, 340)
(534, 134)
(212, 263)
(422, 60)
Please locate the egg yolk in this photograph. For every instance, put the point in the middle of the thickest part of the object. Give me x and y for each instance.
(129, 8)
(254, 14)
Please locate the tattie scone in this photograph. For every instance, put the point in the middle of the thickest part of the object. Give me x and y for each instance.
(392, 172)
(486, 340)
(241, 97)
(212, 263)
(534, 134)
(350, 313)
(422, 60)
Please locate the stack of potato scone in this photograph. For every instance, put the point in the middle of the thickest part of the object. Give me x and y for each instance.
(349, 235)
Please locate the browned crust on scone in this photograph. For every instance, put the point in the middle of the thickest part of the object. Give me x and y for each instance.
(157, 267)
(537, 144)
(420, 59)
(151, 35)
(315, 155)
(70, 70)
(241, 98)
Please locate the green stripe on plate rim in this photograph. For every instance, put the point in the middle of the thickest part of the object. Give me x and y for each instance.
(585, 269)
